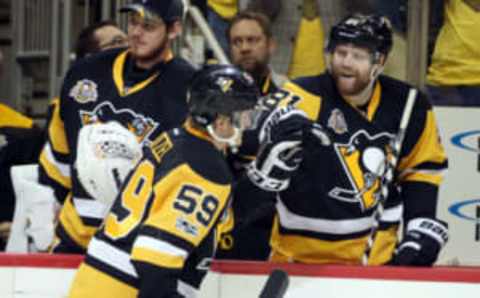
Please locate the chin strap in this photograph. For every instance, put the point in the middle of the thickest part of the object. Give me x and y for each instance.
(232, 142)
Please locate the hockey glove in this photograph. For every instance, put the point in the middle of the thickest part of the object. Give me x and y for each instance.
(280, 152)
(421, 245)
(283, 124)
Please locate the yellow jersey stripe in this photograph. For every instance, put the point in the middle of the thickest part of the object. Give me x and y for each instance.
(309, 103)
(12, 118)
(157, 258)
(56, 130)
(53, 169)
(310, 250)
(427, 149)
(73, 224)
(90, 282)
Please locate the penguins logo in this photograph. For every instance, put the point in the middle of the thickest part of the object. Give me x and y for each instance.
(364, 160)
(142, 127)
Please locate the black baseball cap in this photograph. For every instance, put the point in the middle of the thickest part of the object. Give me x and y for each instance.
(167, 10)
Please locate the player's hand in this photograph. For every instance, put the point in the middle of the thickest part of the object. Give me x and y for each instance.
(280, 153)
(422, 243)
(275, 164)
(285, 123)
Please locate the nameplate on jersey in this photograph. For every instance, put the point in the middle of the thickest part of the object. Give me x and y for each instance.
(160, 146)
(84, 91)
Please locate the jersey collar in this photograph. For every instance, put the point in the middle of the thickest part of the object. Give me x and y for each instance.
(197, 132)
(118, 70)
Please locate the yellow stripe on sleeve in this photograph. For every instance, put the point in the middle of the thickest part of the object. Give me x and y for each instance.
(309, 102)
(56, 130)
(157, 258)
(427, 149)
(53, 172)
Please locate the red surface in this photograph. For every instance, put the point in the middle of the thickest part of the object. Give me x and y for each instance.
(40, 260)
(438, 274)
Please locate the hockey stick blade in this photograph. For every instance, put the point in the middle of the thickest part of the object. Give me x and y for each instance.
(276, 285)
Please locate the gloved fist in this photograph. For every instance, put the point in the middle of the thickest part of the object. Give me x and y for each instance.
(421, 245)
(280, 151)
(274, 165)
(283, 124)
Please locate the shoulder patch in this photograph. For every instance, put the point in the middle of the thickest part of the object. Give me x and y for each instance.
(160, 146)
(84, 91)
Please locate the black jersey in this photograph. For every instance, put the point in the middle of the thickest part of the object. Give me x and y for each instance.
(326, 213)
(166, 216)
(101, 88)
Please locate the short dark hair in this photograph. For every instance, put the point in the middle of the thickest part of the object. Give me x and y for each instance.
(262, 20)
(86, 42)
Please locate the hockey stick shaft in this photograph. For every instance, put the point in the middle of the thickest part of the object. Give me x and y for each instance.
(397, 147)
(276, 285)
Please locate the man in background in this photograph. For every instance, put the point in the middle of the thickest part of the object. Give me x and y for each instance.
(99, 37)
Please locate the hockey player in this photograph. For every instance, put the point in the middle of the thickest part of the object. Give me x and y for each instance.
(142, 87)
(326, 202)
(160, 235)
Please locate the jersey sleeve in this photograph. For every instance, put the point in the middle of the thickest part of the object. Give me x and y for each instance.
(55, 156)
(12, 118)
(294, 94)
(186, 208)
(423, 162)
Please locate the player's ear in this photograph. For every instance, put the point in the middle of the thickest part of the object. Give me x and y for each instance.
(174, 29)
(272, 45)
(382, 59)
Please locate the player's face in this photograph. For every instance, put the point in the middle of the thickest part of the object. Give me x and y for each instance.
(250, 49)
(109, 37)
(224, 127)
(351, 68)
(148, 39)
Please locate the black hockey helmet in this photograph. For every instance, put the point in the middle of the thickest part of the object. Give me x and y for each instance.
(220, 90)
(168, 10)
(370, 31)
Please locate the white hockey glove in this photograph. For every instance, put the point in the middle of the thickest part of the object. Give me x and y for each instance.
(106, 153)
(421, 245)
(280, 151)
(35, 211)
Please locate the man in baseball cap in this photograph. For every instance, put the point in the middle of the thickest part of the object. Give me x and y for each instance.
(143, 87)
(168, 10)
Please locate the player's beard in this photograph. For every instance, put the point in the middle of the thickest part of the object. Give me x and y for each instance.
(352, 85)
(257, 68)
(153, 56)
